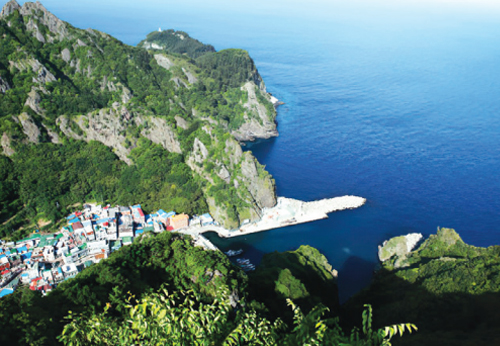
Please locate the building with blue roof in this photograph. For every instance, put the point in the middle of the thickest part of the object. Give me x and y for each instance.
(22, 249)
(5, 292)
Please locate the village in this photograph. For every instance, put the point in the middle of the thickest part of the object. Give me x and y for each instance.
(42, 261)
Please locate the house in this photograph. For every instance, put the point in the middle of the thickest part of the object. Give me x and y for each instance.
(125, 211)
(179, 221)
(69, 270)
(6, 291)
(163, 216)
(138, 214)
(99, 257)
(158, 227)
(97, 247)
(126, 226)
(126, 240)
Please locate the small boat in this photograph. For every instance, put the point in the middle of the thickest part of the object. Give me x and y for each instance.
(243, 260)
(232, 253)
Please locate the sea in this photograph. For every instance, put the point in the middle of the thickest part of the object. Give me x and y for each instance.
(397, 102)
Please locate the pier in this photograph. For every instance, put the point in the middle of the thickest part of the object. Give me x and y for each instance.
(287, 212)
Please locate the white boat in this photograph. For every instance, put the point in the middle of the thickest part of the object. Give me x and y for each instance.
(232, 253)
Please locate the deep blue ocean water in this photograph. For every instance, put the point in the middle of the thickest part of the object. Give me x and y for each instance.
(396, 103)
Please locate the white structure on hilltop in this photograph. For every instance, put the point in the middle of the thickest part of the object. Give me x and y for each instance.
(159, 30)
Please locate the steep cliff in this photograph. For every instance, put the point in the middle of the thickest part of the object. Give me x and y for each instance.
(63, 82)
(448, 288)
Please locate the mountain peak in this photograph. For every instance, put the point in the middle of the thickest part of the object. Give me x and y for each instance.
(9, 8)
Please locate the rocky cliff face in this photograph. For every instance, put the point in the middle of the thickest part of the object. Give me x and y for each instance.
(230, 168)
(109, 104)
(259, 120)
(109, 126)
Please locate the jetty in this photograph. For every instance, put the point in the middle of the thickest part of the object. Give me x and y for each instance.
(286, 212)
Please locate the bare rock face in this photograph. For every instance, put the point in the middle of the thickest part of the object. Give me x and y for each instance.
(163, 61)
(6, 145)
(30, 129)
(43, 74)
(162, 133)
(398, 247)
(66, 55)
(4, 86)
(261, 188)
(33, 101)
(108, 126)
(191, 78)
(181, 122)
(54, 24)
(9, 8)
(258, 122)
(54, 137)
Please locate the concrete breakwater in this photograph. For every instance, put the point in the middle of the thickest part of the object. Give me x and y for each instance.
(286, 212)
(289, 211)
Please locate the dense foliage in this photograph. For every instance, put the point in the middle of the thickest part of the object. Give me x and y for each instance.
(448, 288)
(74, 77)
(180, 318)
(148, 264)
(303, 275)
(178, 42)
(44, 180)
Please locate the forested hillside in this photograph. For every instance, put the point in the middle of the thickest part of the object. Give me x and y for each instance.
(161, 290)
(446, 287)
(63, 88)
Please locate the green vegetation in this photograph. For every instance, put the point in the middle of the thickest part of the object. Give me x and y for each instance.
(86, 84)
(45, 180)
(446, 287)
(150, 263)
(178, 42)
(303, 275)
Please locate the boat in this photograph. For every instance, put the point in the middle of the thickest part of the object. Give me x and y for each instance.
(232, 253)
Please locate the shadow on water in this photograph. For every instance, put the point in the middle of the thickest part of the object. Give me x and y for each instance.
(448, 318)
(225, 244)
(354, 275)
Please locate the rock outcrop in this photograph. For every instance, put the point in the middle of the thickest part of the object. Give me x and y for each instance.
(33, 101)
(261, 188)
(5, 142)
(4, 86)
(161, 133)
(9, 8)
(399, 247)
(43, 75)
(109, 126)
(163, 61)
(56, 26)
(30, 128)
(258, 122)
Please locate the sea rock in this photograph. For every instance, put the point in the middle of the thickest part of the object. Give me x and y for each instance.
(398, 246)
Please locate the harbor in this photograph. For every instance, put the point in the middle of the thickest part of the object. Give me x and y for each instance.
(287, 212)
